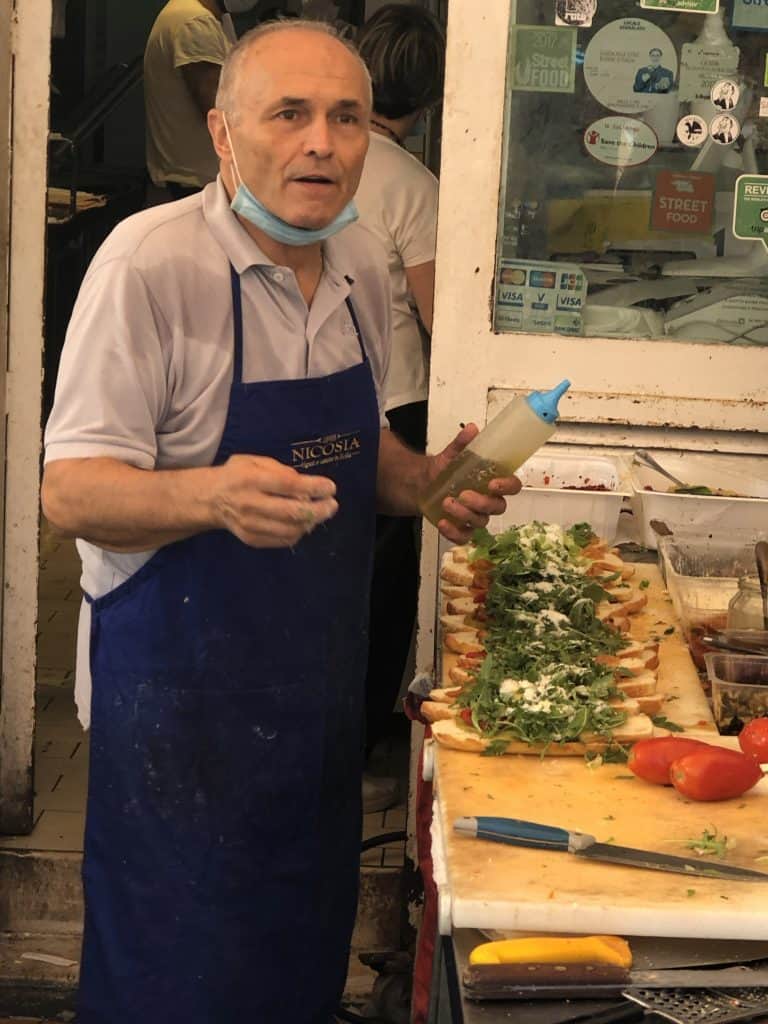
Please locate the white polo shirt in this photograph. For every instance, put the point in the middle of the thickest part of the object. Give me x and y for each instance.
(397, 200)
(147, 364)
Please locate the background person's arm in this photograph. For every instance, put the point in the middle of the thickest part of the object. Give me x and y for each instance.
(122, 508)
(202, 81)
(403, 475)
(421, 285)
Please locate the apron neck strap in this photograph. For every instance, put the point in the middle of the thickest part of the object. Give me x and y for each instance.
(237, 317)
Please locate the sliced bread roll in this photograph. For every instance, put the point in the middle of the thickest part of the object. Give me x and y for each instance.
(435, 711)
(642, 685)
(463, 642)
(461, 606)
(454, 572)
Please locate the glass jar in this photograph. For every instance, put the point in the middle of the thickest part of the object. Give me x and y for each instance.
(745, 609)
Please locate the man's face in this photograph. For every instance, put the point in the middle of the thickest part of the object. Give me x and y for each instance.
(300, 133)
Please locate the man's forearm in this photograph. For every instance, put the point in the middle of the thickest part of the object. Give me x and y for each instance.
(122, 508)
(402, 477)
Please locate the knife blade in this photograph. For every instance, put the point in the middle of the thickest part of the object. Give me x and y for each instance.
(586, 981)
(516, 832)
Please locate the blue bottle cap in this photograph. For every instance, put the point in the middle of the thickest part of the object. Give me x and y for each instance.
(544, 403)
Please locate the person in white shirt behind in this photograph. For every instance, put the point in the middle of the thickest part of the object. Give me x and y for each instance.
(404, 48)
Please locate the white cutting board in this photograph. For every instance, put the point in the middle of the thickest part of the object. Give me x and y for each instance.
(489, 885)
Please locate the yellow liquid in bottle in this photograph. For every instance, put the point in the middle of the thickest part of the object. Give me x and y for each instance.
(467, 472)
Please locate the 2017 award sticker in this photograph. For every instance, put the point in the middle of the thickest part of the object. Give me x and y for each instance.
(694, 6)
(629, 64)
(620, 141)
(544, 59)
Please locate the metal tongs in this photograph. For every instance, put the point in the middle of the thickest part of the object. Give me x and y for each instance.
(743, 641)
(645, 458)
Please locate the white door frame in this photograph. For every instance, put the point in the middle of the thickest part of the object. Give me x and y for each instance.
(25, 42)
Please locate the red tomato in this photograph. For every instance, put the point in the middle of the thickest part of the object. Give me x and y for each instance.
(650, 759)
(753, 739)
(466, 714)
(714, 774)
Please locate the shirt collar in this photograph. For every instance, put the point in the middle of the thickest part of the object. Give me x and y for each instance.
(243, 252)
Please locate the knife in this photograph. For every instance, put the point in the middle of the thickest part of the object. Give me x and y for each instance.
(546, 837)
(588, 981)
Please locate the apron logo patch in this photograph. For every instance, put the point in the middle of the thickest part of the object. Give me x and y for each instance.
(320, 451)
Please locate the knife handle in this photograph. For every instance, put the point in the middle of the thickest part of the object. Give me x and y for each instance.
(523, 833)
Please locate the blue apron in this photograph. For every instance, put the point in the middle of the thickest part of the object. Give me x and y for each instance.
(223, 824)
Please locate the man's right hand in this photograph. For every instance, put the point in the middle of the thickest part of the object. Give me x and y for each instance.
(266, 504)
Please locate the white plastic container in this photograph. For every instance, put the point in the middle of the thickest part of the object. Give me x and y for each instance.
(707, 514)
(556, 489)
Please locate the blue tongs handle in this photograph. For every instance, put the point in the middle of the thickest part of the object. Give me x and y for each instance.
(523, 833)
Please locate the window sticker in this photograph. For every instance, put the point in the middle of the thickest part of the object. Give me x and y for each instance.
(702, 66)
(620, 141)
(750, 208)
(543, 59)
(763, 112)
(683, 202)
(725, 94)
(629, 64)
(750, 14)
(724, 129)
(695, 6)
(692, 130)
(578, 13)
(542, 298)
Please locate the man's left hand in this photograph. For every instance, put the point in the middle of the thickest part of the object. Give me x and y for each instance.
(471, 510)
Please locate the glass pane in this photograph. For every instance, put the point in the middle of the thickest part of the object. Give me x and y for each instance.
(634, 199)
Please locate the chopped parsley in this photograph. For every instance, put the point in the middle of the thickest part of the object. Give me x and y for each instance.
(709, 844)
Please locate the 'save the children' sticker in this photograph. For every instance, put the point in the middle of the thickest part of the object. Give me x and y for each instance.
(750, 208)
(629, 64)
(620, 141)
(543, 59)
(702, 66)
(542, 298)
(684, 202)
(695, 6)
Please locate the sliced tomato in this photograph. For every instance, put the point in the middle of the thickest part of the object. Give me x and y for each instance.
(714, 773)
(650, 759)
(466, 715)
(753, 739)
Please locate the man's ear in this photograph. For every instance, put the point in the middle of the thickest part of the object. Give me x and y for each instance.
(218, 134)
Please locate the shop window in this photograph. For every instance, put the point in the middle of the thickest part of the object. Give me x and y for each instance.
(634, 198)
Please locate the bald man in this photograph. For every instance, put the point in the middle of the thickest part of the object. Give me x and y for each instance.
(216, 446)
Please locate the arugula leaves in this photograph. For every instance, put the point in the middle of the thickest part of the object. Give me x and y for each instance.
(539, 681)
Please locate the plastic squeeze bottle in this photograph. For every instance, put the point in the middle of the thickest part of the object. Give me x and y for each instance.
(498, 450)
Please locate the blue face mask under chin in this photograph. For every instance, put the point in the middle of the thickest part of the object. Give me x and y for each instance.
(248, 206)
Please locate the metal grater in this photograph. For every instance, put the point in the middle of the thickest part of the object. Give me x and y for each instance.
(702, 1006)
